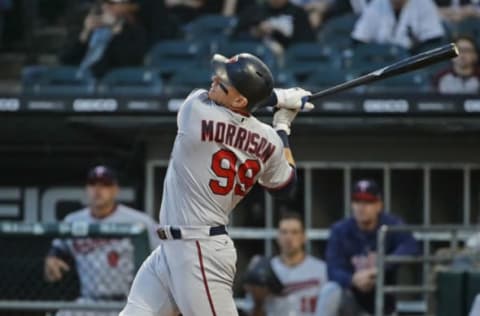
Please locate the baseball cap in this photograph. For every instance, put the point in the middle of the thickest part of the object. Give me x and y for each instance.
(366, 190)
(102, 174)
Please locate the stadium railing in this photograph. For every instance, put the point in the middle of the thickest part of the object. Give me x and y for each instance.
(453, 233)
(23, 248)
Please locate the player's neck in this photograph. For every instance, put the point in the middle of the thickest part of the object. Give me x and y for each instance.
(103, 211)
(293, 259)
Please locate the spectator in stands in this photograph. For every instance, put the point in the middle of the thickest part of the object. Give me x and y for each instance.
(321, 11)
(315, 9)
(159, 23)
(188, 10)
(458, 10)
(464, 75)
(351, 251)
(277, 22)
(105, 267)
(111, 37)
(407, 23)
(302, 275)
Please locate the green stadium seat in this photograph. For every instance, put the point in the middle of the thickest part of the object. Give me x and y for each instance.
(184, 81)
(210, 27)
(284, 79)
(373, 54)
(304, 58)
(62, 80)
(169, 56)
(336, 31)
(324, 77)
(232, 48)
(415, 81)
(131, 81)
(470, 26)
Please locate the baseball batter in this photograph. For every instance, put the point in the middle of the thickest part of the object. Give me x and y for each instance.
(219, 153)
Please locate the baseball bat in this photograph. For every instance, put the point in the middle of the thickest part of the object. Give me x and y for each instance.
(405, 65)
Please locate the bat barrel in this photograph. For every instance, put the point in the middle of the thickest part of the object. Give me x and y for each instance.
(412, 63)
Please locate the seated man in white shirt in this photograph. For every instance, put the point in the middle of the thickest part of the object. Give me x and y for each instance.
(406, 23)
(301, 275)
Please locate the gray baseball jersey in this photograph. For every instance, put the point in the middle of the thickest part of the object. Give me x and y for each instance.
(302, 283)
(105, 266)
(217, 157)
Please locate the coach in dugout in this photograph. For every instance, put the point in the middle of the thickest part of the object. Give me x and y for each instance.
(352, 250)
(105, 267)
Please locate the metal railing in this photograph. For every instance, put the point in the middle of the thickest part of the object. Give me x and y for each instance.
(454, 233)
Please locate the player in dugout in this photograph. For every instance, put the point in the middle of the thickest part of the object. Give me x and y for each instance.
(105, 267)
(291, 283)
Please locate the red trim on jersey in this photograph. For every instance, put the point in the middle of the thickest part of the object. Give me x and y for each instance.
(284, 184)
(297, 286)
(246, 114)
(207, 290)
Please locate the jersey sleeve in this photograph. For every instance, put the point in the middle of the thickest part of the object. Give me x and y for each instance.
(278, 172)
(185, 110)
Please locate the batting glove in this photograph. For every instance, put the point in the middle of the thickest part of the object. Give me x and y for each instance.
(282, 119)
(293, 98)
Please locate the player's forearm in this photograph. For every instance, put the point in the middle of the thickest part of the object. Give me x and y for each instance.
(289, 156)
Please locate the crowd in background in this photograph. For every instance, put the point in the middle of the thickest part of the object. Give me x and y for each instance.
(107, 34)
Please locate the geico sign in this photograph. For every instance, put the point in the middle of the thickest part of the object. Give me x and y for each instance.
(392, 106)
(41, 203)
(95, 105)
(9, 105)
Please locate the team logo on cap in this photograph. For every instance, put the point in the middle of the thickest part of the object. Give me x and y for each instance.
(363, 185)
(100, 170)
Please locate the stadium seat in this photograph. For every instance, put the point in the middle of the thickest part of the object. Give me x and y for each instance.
(374, 55)
(210, 27)
(284, 79)
(324, 77)
(231, 48)
(131, 81)
(304, 58)
(184, 81)
(469, 26)
(409, 82)
(62, 80)
(169, 56)
(336, 31)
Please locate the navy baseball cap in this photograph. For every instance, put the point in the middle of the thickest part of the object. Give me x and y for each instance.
(366, 190)
(102, 174)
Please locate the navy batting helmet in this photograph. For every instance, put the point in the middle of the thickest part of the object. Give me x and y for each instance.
(248, 74)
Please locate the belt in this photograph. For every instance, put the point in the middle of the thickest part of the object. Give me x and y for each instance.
(190, 233)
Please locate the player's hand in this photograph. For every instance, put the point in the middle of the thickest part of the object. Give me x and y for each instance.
(259, 293)
(282, 119)
(55, 268)
(293, 99)
(364, 280)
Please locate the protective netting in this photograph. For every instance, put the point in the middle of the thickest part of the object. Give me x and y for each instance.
(98, 264)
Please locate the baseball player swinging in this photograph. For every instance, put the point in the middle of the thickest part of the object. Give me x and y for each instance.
(219, 153)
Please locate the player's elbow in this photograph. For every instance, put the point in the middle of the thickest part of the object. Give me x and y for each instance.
(287, 191)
